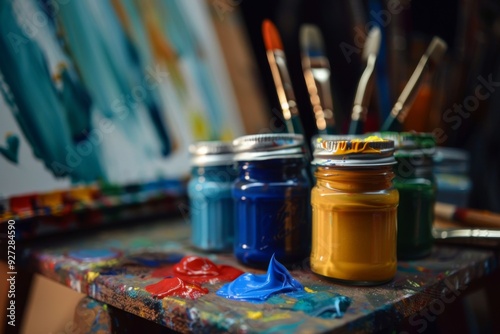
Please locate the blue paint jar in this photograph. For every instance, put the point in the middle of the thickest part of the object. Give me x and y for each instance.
(210, 200)
(271, 194)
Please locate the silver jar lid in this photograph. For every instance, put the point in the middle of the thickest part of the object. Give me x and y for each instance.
(211, 153)
(268, 146)
(353, 152)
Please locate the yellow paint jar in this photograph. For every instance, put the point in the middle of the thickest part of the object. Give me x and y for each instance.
(354, 211)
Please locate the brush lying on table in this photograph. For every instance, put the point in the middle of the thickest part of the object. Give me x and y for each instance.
(467, 217)
(466, 226)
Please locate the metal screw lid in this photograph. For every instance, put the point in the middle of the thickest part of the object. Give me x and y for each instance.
(211, 153)
(353, 152)
(316, 139)
(411, 143)
(268, 146)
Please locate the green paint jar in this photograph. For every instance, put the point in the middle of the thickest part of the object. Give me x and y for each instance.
(417, 192)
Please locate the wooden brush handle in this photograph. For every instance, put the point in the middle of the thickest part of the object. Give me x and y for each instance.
(469, 217)
(477, 218)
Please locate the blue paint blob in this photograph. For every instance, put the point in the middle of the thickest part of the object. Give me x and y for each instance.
(93, 255)
(258, 288)
(323, 304)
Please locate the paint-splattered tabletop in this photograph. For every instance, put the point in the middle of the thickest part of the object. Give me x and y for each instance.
(116, 266)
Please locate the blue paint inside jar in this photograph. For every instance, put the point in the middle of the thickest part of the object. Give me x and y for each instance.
(272, 211)
(211, 207)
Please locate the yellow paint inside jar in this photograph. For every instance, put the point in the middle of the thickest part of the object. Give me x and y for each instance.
(354, 224)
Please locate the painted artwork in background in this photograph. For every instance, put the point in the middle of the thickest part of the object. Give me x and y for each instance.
(107, 91)
(84, 207)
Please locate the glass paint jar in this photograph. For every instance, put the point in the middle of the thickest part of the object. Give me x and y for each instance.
(354, 205)
(317, 138)
(417, 192)
(451, 169)
(210, 200)
(271, 195)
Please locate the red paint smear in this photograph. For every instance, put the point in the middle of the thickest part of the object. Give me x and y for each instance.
(196, 269)
(176, 287)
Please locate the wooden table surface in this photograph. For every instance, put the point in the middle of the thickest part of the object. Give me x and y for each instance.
(431, 282)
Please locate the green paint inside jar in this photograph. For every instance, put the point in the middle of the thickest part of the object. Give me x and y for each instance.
(417, 194)
(415, 217)
(417, 187)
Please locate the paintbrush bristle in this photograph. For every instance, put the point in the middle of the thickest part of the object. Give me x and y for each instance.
(272, 39)
(372, 43)
(311, 40)
(436, 50)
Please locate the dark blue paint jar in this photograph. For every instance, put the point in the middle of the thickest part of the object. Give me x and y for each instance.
(272, 199)
(210, 200)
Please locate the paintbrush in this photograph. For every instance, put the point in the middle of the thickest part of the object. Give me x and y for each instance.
(469, 217)
(316, 68)
(429, 60)
(281, 77)
(365, 85)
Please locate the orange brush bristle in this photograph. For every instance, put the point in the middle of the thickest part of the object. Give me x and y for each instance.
(272, 39)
